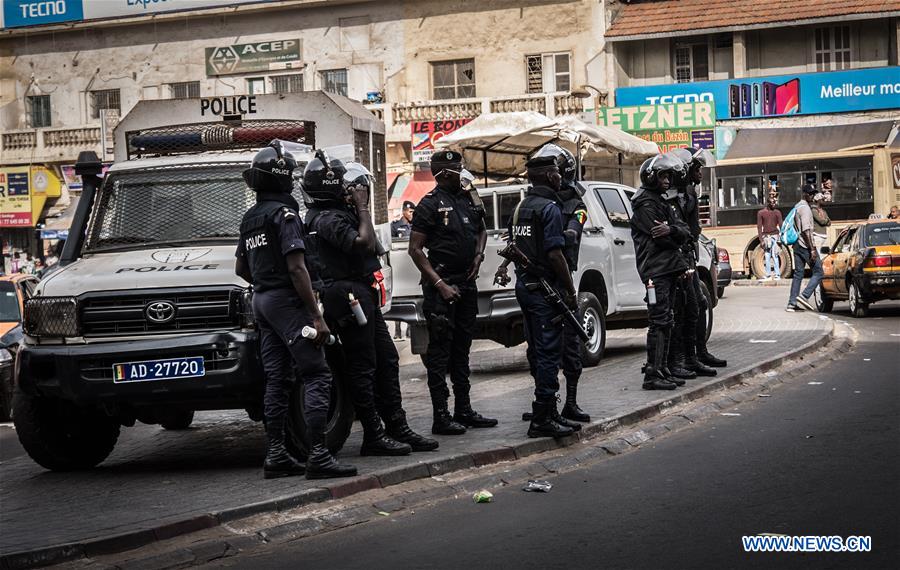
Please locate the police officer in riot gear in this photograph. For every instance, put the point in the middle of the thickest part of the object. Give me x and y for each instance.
(699, 159)
(270, 256)
(341, 231)
(658, 237)
(682, 355)
(574, 214)
(449, 224)
(537, 229)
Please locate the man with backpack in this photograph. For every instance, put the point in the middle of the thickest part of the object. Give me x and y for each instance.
(800, 220)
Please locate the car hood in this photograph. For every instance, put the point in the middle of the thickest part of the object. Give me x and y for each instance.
(144, 269)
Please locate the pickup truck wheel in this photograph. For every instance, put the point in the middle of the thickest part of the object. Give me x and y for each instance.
(60, 436)
(593, 318)
(707, 313)
(178, 420)
(340, 411)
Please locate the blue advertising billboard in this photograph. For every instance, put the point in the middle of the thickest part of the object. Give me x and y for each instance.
(796, 94)
(22, 13)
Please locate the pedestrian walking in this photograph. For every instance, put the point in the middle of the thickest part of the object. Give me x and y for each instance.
(447, 245)
(340, 227)
(768, 223)
(657, 240)
(270, 256)
(805, 253)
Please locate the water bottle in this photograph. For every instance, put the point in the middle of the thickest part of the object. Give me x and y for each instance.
(357, 311)
(310, 333)
(651, 292)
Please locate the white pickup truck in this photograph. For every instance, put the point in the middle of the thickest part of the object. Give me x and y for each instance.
(611, 295)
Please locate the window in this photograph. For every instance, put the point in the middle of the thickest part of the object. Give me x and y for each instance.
(256, 86)
(506, 207)
(832, 48)
(549, 72)
(614, 206)
(883, 234)
(453, 79)
(37, 109)
(287, 83)
(335, 81)
(184, 90)
(104, 99)
(691, 62)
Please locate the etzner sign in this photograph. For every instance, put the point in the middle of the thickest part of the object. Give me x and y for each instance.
(236, 105)
(799, 94)
(670, 126)
(260, 56)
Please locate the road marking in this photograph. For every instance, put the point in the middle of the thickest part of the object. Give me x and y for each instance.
(867, 359)
(729, 414)
(814, 383)
(895, 334)
(759, 341)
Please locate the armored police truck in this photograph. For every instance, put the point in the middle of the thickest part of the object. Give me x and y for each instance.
(146, 320)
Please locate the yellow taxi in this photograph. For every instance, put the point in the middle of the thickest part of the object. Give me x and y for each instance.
(862, 267)
(14, 289)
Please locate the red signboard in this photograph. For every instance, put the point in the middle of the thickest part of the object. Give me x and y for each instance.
(426, 133)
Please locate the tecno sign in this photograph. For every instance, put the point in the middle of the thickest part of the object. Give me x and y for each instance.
(21, 13)
(682, 98)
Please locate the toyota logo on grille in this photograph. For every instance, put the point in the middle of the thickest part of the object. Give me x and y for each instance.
(160, 312)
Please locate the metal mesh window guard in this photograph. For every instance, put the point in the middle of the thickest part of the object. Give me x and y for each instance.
(175, 205)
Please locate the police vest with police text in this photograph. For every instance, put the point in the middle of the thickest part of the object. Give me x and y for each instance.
(527, 229)
(259, 238)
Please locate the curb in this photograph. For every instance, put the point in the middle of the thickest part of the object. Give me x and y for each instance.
(393, 476)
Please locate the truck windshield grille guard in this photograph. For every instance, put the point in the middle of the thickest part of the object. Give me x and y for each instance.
(222, 135)
(183, 204)
(160, 311)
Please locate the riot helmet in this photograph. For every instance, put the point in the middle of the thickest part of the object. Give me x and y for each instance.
(272, 169)
(323, 178)
(546, 166)
(356, 174)
(700, 158)
(656, 172)
(680, 174)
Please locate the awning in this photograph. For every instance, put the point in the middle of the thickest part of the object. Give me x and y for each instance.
(498, 144)
(409, 187)
(766, 143)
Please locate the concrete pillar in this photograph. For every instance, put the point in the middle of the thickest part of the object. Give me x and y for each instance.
(740, 54)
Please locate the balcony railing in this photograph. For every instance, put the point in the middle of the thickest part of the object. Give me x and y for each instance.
(397, 117)
(48, 145)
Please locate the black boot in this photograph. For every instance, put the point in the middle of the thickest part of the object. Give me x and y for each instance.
(667, 372)
(675, 359)
(321, 464)
(444, 424)
(543, 425)
(691, 363)
(465, 415)
(703, 354)
(654, 379)
(376, 441)
(279, 462)
(398, 429)
(571, 410)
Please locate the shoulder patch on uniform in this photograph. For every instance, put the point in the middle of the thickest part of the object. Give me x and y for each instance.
(288, 213)
(581, 216)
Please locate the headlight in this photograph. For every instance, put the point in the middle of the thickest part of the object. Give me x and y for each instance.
(245, 308)
(5, 356)
(52, 317)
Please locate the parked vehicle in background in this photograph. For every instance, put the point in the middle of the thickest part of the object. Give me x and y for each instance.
(611, 295)
(724, 265)
(14, 289)
(862, 267)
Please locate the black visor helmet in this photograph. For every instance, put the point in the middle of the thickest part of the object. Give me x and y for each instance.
(323, 178)
(700, 158)
(680, 175)
(653, 167)
(272, 170)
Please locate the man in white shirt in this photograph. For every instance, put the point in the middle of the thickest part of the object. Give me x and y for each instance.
(805, 252)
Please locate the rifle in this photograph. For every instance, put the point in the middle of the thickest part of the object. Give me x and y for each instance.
(551, 295)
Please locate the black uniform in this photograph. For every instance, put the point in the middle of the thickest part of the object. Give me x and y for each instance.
(691, 207)
(451, 224)
(686, 309)
(574, 217)
(270, 230)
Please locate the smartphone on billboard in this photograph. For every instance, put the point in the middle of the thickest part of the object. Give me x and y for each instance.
(768, 98)
(757, 100)
(746, 101)
(734, 100)
(787, 98)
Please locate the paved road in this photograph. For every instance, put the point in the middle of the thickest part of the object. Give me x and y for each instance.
(816, 458)
(157, 477)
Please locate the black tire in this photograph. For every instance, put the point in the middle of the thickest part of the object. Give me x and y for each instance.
(708, 312)
(859, 308)
(720, 292)
(340, 411)
(178, 420)
(822, 302)
(6, 394)
(593, 317)
(60, 436)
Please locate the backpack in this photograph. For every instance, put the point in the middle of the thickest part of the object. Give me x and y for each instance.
(788, 233)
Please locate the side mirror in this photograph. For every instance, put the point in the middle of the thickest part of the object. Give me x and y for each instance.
(824, 250)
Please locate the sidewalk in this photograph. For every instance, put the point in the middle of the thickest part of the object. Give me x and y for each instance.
(160, 483)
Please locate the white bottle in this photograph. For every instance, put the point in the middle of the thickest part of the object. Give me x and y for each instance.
(310, 333)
